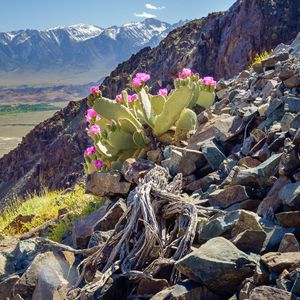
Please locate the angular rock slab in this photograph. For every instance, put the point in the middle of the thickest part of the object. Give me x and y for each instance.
(219, 265)
(270, 293)
(134, 169)
(186, 290)
(48, 272)
(226, 197)
(289, 243)
(111, 218)
(290, 195)
(288, 219)
(82, 228)
(277, 261)
(106, 184)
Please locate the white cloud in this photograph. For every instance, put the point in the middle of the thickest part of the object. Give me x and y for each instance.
(151, 6)
(145, 15)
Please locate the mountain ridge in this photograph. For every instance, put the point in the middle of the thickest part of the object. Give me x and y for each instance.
(81, 49)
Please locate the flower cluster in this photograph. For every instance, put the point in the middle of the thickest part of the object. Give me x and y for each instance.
(209, 81)
(140, 79)
(95, 90)
(130, 98)
(94, 129)
(185, 73)
(163, 92)
(89, 151)
(91, 115)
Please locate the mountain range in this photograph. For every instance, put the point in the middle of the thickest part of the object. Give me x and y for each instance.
(74, 54)
(221, 44)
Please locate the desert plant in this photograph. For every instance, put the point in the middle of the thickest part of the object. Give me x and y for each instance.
(259, 57)
(126, 126)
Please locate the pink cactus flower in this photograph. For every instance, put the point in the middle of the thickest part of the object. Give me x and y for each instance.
(209, 81)
(143, 77)
(163, 92)
(98, 164)
(91, 114)
(119, 97)
(139, 79)
(136, 82)
(185, 73)
(95, 90)
(132, 97)
(89, 151)
(93, 130)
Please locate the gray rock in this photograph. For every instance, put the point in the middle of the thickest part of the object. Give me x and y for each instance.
(219, 265)
(134, 169)
(151, 286)
(47, 273)
(270, 293)
(259, 174)
(99, 237)
(290, 195)
(213, 154)
(225, 197)
(106, 184)
(220, 224)
(286, 121)
(250, 240)
(291, 104)
(111, 218)
(295, 124)
(275, 235)
(82, 228)
(180, 160)
(186, 290)
(289, 243)
(289, 218)
(257, 67)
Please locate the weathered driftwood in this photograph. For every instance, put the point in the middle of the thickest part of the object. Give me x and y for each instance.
(159, 223)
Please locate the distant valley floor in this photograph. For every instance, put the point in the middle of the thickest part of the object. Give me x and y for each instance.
(23, 107)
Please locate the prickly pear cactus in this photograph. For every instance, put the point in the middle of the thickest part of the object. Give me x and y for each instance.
(124, 127)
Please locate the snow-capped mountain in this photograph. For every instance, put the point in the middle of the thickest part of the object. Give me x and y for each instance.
(80, 51)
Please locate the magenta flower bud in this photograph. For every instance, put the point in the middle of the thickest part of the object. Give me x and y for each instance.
(163, 92)
(119, 97)
(98, 164)
(95, 90)
(136, 82)
(89, 151)
(132, 97)
(143, 77)
(91, 114)
(93, 130)
(185, 73)
(208, 80)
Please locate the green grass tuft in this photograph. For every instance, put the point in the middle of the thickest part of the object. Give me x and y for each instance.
(46, 207)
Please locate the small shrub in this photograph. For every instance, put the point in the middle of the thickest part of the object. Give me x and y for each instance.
(259, 57)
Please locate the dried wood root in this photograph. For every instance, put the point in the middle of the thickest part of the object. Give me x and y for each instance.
(159, 223)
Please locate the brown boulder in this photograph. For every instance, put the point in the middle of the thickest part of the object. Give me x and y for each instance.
(228, 196)
(277, 261)
(270, 293)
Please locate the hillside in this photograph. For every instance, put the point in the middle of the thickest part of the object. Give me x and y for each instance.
(221, 44)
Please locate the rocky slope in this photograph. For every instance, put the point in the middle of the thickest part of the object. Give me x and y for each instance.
(224, 225)
(222, 44)
(72, 50)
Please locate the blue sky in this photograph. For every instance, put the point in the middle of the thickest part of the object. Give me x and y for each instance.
(41, 14)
